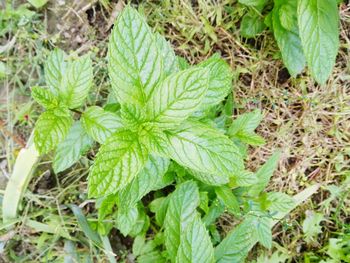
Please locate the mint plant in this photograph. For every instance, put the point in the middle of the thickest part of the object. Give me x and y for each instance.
(170, 140)
(306, 32)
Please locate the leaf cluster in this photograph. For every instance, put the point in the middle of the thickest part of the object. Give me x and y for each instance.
(306, 32)
(171, 139)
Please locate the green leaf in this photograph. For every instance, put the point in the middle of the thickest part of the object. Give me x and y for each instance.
(105, 206)
(216, 209)
(126, 220)
(76, 143)
(204, 201)
(132, 116)
(154, 138)
(311, 226)
(236, 245)
(142, 223)
(226, 195)
(263, 229)
(252, 24)
(280, 202)
(289, 44)
(55, 69)
(203, 149)
(159, 206)
(149, 179)
(44, 97)
(288, 15)
(118, 161)
(51, 128)
(253, 2)
(177, 97)
(183, 64)
(181, 212)
(171, 64)
(141, 247)
(245, 178)
(245, 123)
(243, 128)
(77, 82)
(210, 179)
(134, 61)
(195, 245)
(251, 138)
(153, 257)
(264, 174)
(100, 124)
(220, 80)
(318, 22)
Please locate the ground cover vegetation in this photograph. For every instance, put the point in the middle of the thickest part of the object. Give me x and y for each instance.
(175, 131)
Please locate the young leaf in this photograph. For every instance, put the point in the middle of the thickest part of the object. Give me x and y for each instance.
(132, 116)
(146, 181)
(181, 212)
(289, 44)
(280, 202)
(171, 64)
(237, 244)
(252, 24)
(75, 144)
(216, 209)
(100, 124)
(153, 138)
(77, 82)
(243, 128)
(264, 174)
(220, 80)
(105, 206)
(126, 220)
(319, 32)
(134, 62)
(245, 123)
(177, 97)
(44, 97)
(159, 206)
(118, 161)
(55, 69)
(263, 227)
(183, 64)
(251, 138)
(195, 245)
(225, 194)
(51, 128)
(203, 149)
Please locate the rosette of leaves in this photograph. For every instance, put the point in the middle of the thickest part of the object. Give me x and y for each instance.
(169, 129)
